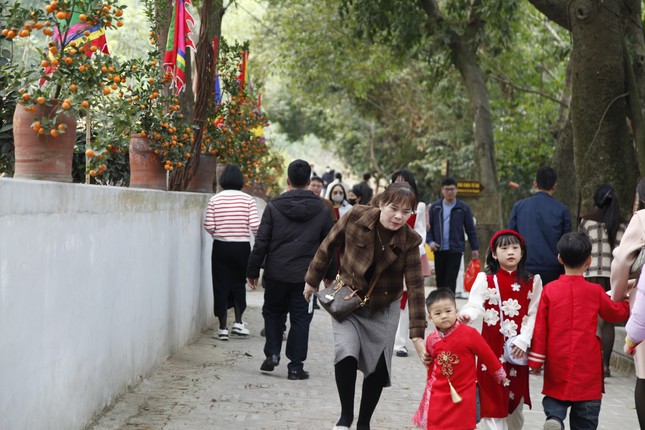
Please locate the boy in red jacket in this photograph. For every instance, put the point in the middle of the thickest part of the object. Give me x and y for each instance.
(565, 339)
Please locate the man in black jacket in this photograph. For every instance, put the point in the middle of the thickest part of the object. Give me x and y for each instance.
(293, 226)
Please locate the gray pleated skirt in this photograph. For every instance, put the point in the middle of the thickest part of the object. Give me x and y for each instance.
(366, 337)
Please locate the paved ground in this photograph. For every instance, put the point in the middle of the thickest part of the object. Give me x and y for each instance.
(212, 384)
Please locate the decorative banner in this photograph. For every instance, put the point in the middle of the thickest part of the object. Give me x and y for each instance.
(243, 77)
(218, 87)
(77, 33)
(179, 38)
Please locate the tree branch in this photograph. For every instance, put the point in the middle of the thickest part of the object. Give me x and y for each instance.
(555, 10)
(528, 90)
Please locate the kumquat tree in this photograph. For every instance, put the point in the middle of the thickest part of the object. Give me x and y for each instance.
(235, 125)
(75, 69)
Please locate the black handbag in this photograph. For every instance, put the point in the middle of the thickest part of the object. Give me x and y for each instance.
(340, 299)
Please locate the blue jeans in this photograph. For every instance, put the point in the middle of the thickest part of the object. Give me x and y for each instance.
(280, 299)
(584, 414)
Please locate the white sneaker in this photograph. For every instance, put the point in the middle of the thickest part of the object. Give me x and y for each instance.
(552, 424)
(222, 334)
(239, 330)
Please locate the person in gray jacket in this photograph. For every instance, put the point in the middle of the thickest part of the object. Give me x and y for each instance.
(293, 226)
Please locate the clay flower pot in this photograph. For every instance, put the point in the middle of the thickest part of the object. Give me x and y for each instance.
(43, 156)
(146, 170)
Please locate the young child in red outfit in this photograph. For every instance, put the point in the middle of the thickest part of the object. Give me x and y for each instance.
(449, 398)
(565, 340)
(506, 297)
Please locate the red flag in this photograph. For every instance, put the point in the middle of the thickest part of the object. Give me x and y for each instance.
(178, 40)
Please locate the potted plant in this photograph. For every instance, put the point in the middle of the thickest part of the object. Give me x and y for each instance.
(235, 127)
(160, 135)
(73, 72)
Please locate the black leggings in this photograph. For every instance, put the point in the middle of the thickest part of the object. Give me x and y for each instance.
(639, 397)
(228, 271)
(346, 371)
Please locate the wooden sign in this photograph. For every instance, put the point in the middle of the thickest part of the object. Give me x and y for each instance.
(469, 188)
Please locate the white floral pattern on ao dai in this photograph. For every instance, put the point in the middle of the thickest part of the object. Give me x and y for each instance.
(516, 286)
(491, 316)
(491, 296)
(509, 328)
(511, 307)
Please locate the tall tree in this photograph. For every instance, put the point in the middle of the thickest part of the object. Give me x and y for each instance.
(455, 31)
(608, 78)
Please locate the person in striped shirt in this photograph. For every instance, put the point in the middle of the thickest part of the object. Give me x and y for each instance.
(231, 218)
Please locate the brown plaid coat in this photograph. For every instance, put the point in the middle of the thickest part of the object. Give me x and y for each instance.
(401, 258)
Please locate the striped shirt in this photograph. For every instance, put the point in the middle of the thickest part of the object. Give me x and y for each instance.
(231, 216)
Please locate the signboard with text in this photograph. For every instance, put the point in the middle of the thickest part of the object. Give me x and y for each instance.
(468, 187)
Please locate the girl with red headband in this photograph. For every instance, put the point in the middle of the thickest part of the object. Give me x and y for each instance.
(507, 299)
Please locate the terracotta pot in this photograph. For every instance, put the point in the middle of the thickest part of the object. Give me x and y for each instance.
(43, 157)
(146, 170)
(202, 182)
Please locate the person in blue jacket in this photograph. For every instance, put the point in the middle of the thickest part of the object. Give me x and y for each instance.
(542, 221)
(449, 218)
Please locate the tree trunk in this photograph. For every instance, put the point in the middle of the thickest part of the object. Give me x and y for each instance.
(603, 151)
(635, 52)
(487, 208)
(567, 190)
(211, 14)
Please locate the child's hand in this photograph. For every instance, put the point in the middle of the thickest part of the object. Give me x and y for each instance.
(518, 353)
(464, 319)
(419, 345)
(536, 371)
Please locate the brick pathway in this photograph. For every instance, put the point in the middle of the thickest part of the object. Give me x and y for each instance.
(212, 384)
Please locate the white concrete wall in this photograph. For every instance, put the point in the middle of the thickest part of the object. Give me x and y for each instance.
(98, 286)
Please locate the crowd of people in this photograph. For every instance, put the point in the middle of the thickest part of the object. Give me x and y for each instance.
(548, 298)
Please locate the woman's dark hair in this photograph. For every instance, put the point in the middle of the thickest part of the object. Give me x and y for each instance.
(231, 178)
(400, 194)
(606, 200)
(356, 189)
(492, 265)
(409, 178)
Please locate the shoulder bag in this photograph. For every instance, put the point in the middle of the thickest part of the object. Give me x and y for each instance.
(340, 299)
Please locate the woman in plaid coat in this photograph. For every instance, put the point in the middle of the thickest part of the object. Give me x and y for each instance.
(378, 246)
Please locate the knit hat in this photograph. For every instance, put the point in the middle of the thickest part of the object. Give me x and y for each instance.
(503, 232)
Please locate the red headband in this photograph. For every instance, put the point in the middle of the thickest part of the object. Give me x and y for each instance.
(503, 232)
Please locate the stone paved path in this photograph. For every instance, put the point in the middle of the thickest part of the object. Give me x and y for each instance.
(212, 384)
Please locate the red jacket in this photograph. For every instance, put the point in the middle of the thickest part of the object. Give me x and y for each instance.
(565, 338)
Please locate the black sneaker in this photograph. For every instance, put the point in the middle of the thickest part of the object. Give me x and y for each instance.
(402, 352)
(294, 375)
(270, 363)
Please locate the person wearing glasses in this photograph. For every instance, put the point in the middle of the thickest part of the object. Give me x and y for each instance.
(449, 218)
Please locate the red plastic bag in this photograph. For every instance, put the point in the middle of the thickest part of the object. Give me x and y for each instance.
(471, 273)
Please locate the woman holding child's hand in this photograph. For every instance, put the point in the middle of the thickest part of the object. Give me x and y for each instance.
(379, 247)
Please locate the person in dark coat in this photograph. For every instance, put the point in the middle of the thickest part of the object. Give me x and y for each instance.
(449, 218)
(542, 221)
(293, 226)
